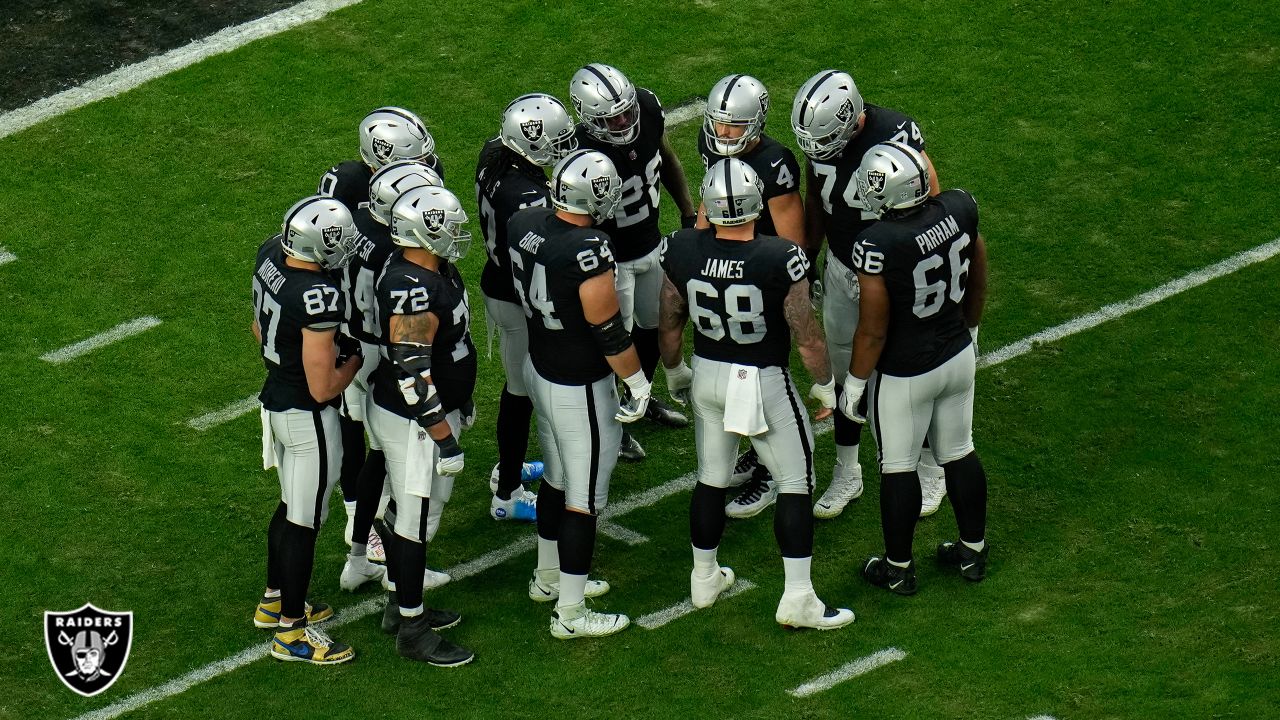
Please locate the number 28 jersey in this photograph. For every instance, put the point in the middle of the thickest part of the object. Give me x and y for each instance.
(736, 292)
(924, 260)
(286, 301)
(550, 259)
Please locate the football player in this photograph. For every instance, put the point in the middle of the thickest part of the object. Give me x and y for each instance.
(733, 126)
(747, 294)
(387, 134)
(923, 273)
(835, 128)
(564, 272)
(627, 124)
(536, 133)
(297, 309)
(414, 410)
(373, 220)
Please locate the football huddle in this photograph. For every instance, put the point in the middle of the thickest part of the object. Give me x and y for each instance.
(364, 322)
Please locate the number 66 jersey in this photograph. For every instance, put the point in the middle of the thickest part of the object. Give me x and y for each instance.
(924, 259)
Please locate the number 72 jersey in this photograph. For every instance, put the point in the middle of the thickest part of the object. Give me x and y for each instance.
(924, 260)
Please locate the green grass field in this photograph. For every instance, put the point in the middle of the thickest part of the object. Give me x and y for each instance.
(1112, 147)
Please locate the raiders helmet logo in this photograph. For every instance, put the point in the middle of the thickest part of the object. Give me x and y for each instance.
(845, 112)
(88, 647)
(532, 130)
(332, 235)
(875, 180)
(764, 103)
(600, 187)
(382, 149)
(433, 219)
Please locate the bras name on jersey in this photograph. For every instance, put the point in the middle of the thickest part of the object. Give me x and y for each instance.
(845, 213)
(550, 259)
(372, 248)
(348, 182)
(514, 186)
(773, 162)
(286, 301)
(634, 227)
(735, 292)
(406, 288)
(924, 259)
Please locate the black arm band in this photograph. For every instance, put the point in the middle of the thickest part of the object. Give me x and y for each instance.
(611, 335)
(449, 446)
(414, 361)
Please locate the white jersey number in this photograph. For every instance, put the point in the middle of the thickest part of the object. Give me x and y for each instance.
(638, 195)
(930, 295)
(742, 311)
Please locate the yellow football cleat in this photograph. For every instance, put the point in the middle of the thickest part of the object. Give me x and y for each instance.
(303, 643)
(267, 615)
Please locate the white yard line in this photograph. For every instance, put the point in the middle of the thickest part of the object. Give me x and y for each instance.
(1042, 717)
(655, 620)
(861, 666)
(119, 332)
(684, 113)
(131, 76)
(617, 532)
(226, 414)
(6, 256)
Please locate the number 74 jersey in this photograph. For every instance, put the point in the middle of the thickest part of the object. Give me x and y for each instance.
(924, 260)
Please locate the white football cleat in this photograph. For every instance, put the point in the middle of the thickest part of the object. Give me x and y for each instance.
(577, 621)
(358, 571)
(544, 586)
(704, 589)
(744, 467)
(754, 498)
(373, 548)
(846, 486)
(805, 610)
(432, 579)
(932, 490)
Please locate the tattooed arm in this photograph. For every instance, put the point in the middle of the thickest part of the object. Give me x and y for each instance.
(411, 338)
(807, 332)
(673, 313)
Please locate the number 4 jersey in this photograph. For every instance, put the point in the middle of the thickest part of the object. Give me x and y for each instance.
(736, 292)
(924, 260)
(286, 301)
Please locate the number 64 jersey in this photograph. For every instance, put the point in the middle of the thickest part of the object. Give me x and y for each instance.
(924, 260)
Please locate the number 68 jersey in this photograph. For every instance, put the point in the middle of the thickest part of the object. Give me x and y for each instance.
(736, 292)
(924, 260)
(286, 301)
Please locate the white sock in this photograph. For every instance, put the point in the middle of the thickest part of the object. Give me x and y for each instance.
(928, 465)
(976, 547)
(548, 554)
(410, 612)
(572, 589)
(357, 560)
(359, 550)
(796, 572)
(350, 507)
(847, 456)
(273, 594)
(705, 561)
(895, 563)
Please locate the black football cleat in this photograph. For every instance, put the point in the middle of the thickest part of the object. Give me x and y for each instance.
(630, 449)
(664, 414)
(971, 563)
(417, 641)
(436, 619)
(879, 572)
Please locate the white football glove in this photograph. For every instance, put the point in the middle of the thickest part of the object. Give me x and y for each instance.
(973, 333)
(853, 389)
(641, 389)
(467, 415)
(824, 393)
(450, 465)
(679, 381)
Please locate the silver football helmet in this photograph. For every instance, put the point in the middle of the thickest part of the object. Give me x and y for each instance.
(606, 102)
(825, 114)
(392, 133)
(430, 218)
(393, 180)
(732, 193)
(586, 183)
(892, 176)
(737, 101)
(321, 230)
(537, 127)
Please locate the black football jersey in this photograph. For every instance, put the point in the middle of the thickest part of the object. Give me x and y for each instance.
(845, 213)
(634, 227)
(924, 260)
(348, 182)
(286, 301)
(406, 288)
(550, 259)
(736, 292)
(773, 162)
(518, 185)
(372, 247)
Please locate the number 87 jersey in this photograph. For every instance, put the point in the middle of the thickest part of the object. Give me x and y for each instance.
(924, 260)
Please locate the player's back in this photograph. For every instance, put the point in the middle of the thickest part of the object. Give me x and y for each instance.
(550, 259)
(501, 191)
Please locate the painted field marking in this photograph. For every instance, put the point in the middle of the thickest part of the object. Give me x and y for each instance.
(6, 256)
(226, 414)
(655, 620)
(119, 332)
(617, 532)
(131, 76)
(861, 666)
(1042, 717)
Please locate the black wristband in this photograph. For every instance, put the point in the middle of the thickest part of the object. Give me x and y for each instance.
(449, 446)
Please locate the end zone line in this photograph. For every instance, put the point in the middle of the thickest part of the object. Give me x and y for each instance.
(655, 620)
(119, 332)
(131, 76)
(6, 256)
(861, 666)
